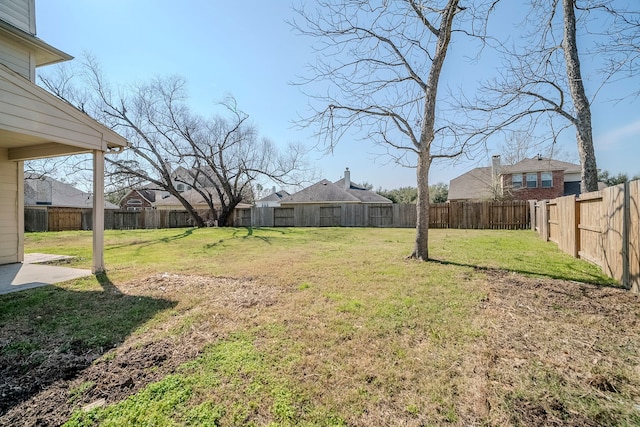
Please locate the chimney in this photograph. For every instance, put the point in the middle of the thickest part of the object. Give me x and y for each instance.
(496, 183)
(347, 179)
(495, 166)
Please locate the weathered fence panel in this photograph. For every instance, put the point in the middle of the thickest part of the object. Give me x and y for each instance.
(563, 226)
(330, 216)
(511, 215)
(501, 215)
(601, 227)
(242, 218)
(590, 227)
(64, 219)
(405, 216)
(380, 215)
(633, 233)
(283, 217)
(353, 215)
(36, 219)
(87, 219)
(261, 217)
(481, 215)
(613, 229)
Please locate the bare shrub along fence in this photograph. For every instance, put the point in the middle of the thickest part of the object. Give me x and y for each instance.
(600, 227)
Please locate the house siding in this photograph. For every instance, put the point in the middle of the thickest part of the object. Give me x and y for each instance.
(21, 110)
(538, 193)
(19, 13)
(17, 58)
(9, 210)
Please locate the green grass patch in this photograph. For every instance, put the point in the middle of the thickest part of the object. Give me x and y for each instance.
(230, 384)
(354, 333)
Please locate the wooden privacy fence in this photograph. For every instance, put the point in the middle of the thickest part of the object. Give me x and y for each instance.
(471, 215)
(510, 215)
(60, 219)
(601, 227)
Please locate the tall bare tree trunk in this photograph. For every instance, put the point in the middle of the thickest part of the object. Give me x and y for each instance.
(427, 132)
(421, 248)
(584, 134)
(192, 212)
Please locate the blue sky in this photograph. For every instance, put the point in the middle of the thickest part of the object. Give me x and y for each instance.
(245, 48)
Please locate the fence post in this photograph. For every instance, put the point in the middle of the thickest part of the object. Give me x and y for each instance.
(633, 201)
(626, 225)
(544, 220)
(578, 240)
(532, 214)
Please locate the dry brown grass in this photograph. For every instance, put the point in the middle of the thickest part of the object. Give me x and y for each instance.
(336, 327)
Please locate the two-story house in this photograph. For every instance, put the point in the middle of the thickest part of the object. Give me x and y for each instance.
(35, 124)
(536, 178)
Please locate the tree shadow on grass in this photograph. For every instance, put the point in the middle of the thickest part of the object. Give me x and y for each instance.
(49, 334)
(592, 279)
(240, 234)
(143, 243)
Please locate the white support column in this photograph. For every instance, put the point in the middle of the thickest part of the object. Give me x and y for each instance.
(20, 208)
(98, 212)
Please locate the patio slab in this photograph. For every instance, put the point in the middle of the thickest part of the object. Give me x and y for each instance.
(32, 274)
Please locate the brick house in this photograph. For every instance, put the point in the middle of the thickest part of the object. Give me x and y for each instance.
(136, 200)
(536, 178)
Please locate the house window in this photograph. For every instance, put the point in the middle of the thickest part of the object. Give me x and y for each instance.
(532, 180)
(180, 187)
(134, 202)
(546, 180)
(516, 180)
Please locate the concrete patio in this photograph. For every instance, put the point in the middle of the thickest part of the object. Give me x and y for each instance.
(34, 272)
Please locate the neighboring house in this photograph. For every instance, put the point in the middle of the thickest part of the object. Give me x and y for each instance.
(342, 191)
(272, 200)
(137, 200)
(179, 176)
(46, 191)
(194, 198)
(35, 124)
(536, 178)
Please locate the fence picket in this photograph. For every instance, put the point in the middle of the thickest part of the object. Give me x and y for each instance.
(601, 227)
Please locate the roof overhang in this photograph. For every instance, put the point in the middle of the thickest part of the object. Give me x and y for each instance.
(45, 53)
(36, 124)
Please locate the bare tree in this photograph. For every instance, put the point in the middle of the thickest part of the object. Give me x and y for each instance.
(218, 157)
(581, 118)
(542, 84)
(620, 48)
(382, 62)
(520, 145)
(517, 147)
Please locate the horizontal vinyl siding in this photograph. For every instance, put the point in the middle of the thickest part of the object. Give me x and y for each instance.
(15, 57)
(8, 210)
(24, 113)
(18, 14)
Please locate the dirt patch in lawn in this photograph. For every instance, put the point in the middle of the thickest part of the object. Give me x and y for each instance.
(548, 347)
(47, 391)
(555, 353)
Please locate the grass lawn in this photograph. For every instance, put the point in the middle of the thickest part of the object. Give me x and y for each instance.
(320, 326)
